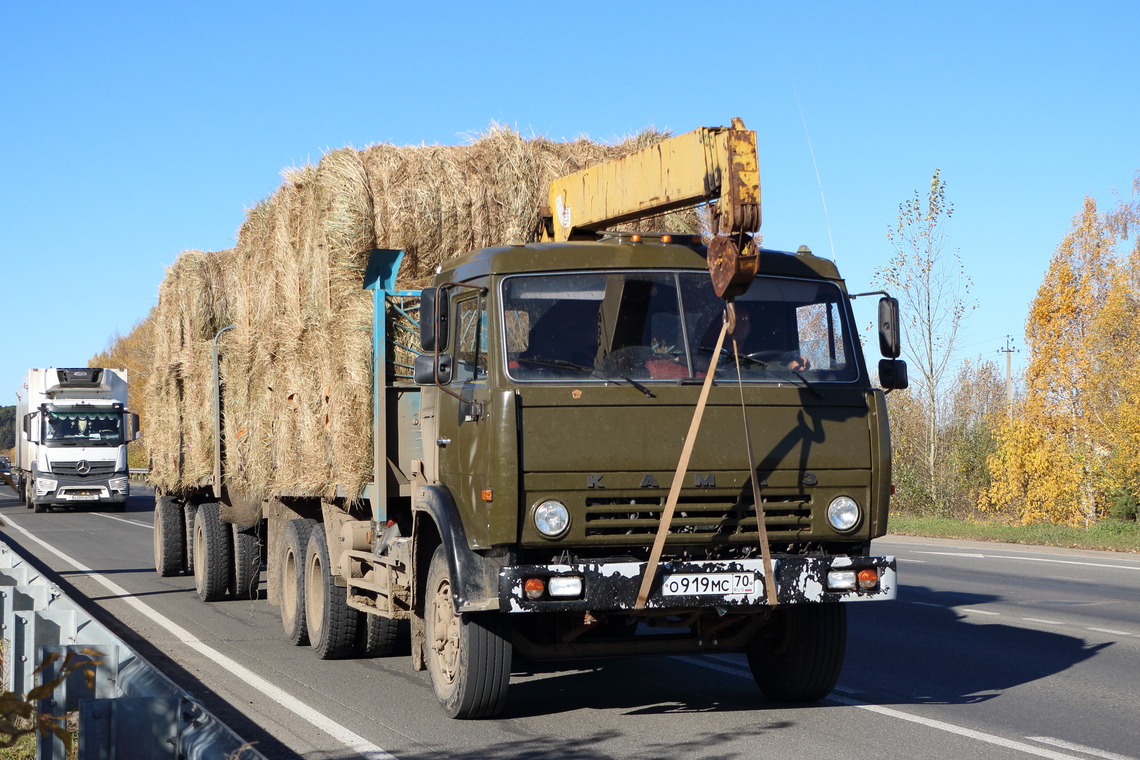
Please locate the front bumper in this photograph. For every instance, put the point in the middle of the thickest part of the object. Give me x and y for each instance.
(58, 489)
(688, 585)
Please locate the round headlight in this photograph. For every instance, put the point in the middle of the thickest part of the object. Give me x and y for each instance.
(551, 518)
(843, 513)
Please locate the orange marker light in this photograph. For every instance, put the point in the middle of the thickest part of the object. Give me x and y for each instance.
(534, 588)
(635, 238)
(666, 238)
(868, 578)
(488, 495)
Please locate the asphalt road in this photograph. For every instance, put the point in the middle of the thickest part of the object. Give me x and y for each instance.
(991, 651)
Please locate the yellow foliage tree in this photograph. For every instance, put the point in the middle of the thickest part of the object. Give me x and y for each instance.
(135, 353)
(1075, 439)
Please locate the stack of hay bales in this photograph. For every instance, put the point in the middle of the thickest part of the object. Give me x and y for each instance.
(296, 370)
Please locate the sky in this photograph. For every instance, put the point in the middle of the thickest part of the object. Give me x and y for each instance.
(132, 131)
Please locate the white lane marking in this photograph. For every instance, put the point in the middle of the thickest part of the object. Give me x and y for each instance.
(1034, 559)
(1079, 748)
(976, 611)
(1042, 621)
(136, 523)
(889, 712)
(346, 737)
(1109, 630)
(1066, 562)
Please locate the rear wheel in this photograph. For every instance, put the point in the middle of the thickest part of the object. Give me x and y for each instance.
(798, 657)
(377, 636)
(331, 622)
(190, 512)
(468, 655)
(212, 551)
(169, 537)
(247, 564)
(292, 558)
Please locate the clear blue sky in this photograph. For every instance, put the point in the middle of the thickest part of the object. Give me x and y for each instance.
(134, 130)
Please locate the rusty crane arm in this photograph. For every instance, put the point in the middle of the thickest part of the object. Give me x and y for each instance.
(716, 165)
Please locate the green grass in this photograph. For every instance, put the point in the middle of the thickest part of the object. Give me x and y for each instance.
(1106, 535)
(24, 749)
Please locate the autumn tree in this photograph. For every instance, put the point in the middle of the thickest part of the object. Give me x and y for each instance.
(976, 409)
(933, 292)
(135, 353)
(1075, 439)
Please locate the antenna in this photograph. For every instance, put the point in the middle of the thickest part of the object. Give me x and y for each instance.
(815, 165)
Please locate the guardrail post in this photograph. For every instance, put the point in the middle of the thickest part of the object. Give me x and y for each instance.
(131, 710)
(75, 688)
(145, 728)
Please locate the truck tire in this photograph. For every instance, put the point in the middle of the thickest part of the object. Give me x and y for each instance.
(190, 512)
(377, 636)
(331, 622)
(468, 655)
(294, 543)
(30, 497)
(169, 537)
(213, 549)
(246, 575)
(798, 657)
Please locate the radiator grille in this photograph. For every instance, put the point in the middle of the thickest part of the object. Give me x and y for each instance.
(80, 469)
(784, 516)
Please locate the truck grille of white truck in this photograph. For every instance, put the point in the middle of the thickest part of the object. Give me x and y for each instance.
(82, 468)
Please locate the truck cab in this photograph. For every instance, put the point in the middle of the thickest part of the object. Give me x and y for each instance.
(72, 447)
(597, 351)
(558, 387)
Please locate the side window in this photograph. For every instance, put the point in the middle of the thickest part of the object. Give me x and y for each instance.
(821, 336)
(471, 340)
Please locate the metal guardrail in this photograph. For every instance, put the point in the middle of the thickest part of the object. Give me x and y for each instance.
(138, 473)
(129, 709)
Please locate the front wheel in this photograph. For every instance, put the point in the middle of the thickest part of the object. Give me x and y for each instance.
(798, 656)
(468, 655)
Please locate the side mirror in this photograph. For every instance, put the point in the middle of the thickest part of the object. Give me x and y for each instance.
(32, 427)
(133, 426)
(890, 344)
(435, 315)
(892, 375)
(426, 369)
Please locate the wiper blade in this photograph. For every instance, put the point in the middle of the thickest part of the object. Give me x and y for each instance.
(556, 363)
(637, 385)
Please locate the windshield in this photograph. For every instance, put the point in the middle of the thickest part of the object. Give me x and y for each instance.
(664, 325)
(84, 428)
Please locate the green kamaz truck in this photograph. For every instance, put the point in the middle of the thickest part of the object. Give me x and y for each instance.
(591, 448)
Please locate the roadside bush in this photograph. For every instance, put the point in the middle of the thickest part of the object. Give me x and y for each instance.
(1123, 505)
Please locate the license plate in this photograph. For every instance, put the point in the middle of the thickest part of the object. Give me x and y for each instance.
(82, 497)
(700, 584)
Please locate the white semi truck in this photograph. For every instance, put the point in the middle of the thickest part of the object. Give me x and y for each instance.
(71, 446)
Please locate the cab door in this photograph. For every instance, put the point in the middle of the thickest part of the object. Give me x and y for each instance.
(466, 439)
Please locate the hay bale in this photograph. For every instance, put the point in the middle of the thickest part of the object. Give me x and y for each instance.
(297, 367)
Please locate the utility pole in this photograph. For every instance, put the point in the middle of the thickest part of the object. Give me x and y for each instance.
(1008, 351)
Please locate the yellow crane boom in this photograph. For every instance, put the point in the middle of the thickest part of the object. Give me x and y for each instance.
(717, 165)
